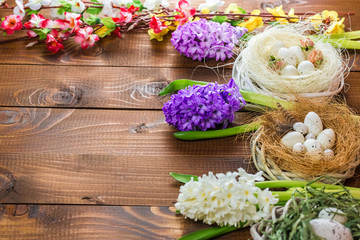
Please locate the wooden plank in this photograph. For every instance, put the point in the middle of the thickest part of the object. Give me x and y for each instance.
(126, 52)
(114, 157)
(89, 87)
(34, 222)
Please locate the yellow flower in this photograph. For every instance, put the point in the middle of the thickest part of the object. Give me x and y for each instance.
(316, 21)
(103, 31)
(331, 15)
(157, 36)
(205, 11)
(253, 22)
(292, 14)
(336, 27)
(278, 11)
(233, 8)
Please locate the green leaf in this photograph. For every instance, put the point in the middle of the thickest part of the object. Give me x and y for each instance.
(92, 20)
(219, 19)
(94, 1)
(242, 10)
(94, 11)
(136, 3)
(184, 178)
(104, 31)
(42, 33)
(66, 7)
(179, 84)
(108, 22)
(208, 233)
(234, 23)
(29, 11)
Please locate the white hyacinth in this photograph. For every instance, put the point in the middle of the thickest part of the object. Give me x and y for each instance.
(226, 199)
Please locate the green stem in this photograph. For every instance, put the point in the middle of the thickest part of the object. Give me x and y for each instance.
(179, 84)
(347, 35)
(198, 135)
(208, 233)
(339, 42)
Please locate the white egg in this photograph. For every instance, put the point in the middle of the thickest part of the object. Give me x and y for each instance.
(299, 148)
(310, 136)
(326, 138)
(329, 154)
(333, 214)
(287, 56)
(296, 50)
(291, 138)
(330, 230)
(314, 123)
(313, 148)
(306, 67)
(275, 48)
(300, 127)
(289, 70)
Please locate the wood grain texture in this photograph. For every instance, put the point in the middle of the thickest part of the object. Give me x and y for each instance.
(135, 49)
(111, 87)
(90, 87)
(119, 157)
(34, 222)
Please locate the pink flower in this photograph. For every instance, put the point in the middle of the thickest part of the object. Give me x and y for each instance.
(12, 23)
(53, 45)
(156, 24)
(86, 38)
(185, 12)
(306, 44)
(316, 57)
(38, 21)
(73, 21)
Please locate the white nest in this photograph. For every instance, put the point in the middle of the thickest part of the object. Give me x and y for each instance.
(251, 71)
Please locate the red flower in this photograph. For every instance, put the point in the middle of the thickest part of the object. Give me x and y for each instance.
(38, 21)
(53, 45)
(117, 32)
(86, 38)
(185, 12)
(156, 24)
(73, 21)
(12, 23)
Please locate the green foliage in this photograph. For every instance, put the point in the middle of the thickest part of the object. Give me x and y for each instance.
(94, 1)
(108, 22)
(66, 7)
(29, 11)
(234, 23)
(208, 233)
(242, 10)
(184, 178)
(94, 11)
(136, 3)
(42, 33)
(92, 20)
(219, 19)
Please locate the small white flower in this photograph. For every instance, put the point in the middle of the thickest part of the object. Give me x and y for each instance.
(225, 199)
(107, 7)
(251, 177)
(121, 3)
(155, 4)
(212, 5)
(19, 9)
(37, 4)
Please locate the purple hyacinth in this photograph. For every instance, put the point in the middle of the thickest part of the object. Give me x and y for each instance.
(203, 107)
(206, 39)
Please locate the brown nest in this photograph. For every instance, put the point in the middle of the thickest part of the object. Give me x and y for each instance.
(279, 162)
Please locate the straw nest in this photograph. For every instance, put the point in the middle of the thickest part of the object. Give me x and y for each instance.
(279, 162)
(251, 69)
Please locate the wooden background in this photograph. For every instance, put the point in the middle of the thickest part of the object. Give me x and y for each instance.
(85, 152)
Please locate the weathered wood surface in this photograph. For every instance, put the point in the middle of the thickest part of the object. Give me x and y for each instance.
(34, 222)
(85, 152)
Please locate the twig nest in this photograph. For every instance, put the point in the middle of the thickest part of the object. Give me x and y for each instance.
(276, 63)
(282, 153)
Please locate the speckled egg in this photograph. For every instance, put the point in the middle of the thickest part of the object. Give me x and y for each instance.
(291, 138)
(299, 148)
(289, 70)
(314, 123)
(326, 138)
(330, 230)
(301, 128)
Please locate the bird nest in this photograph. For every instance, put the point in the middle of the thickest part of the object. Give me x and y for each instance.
(251, 69)
(279, 162)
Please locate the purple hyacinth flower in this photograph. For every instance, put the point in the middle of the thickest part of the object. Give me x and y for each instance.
(203, 107)
(206, 39)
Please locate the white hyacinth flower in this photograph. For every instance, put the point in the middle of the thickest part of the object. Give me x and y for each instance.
(225, 199)
(155, 5)
(212, 5)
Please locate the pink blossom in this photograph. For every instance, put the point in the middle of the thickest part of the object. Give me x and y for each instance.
(73, 21)
(86, 38)
(31, 34)
(38, 21)
(156, 24)
(12, 23)
(185, 12)
(52, 44)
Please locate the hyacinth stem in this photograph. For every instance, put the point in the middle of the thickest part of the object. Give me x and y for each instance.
(339, 42)
(208, 233)
(227, 132)
(347, 35)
